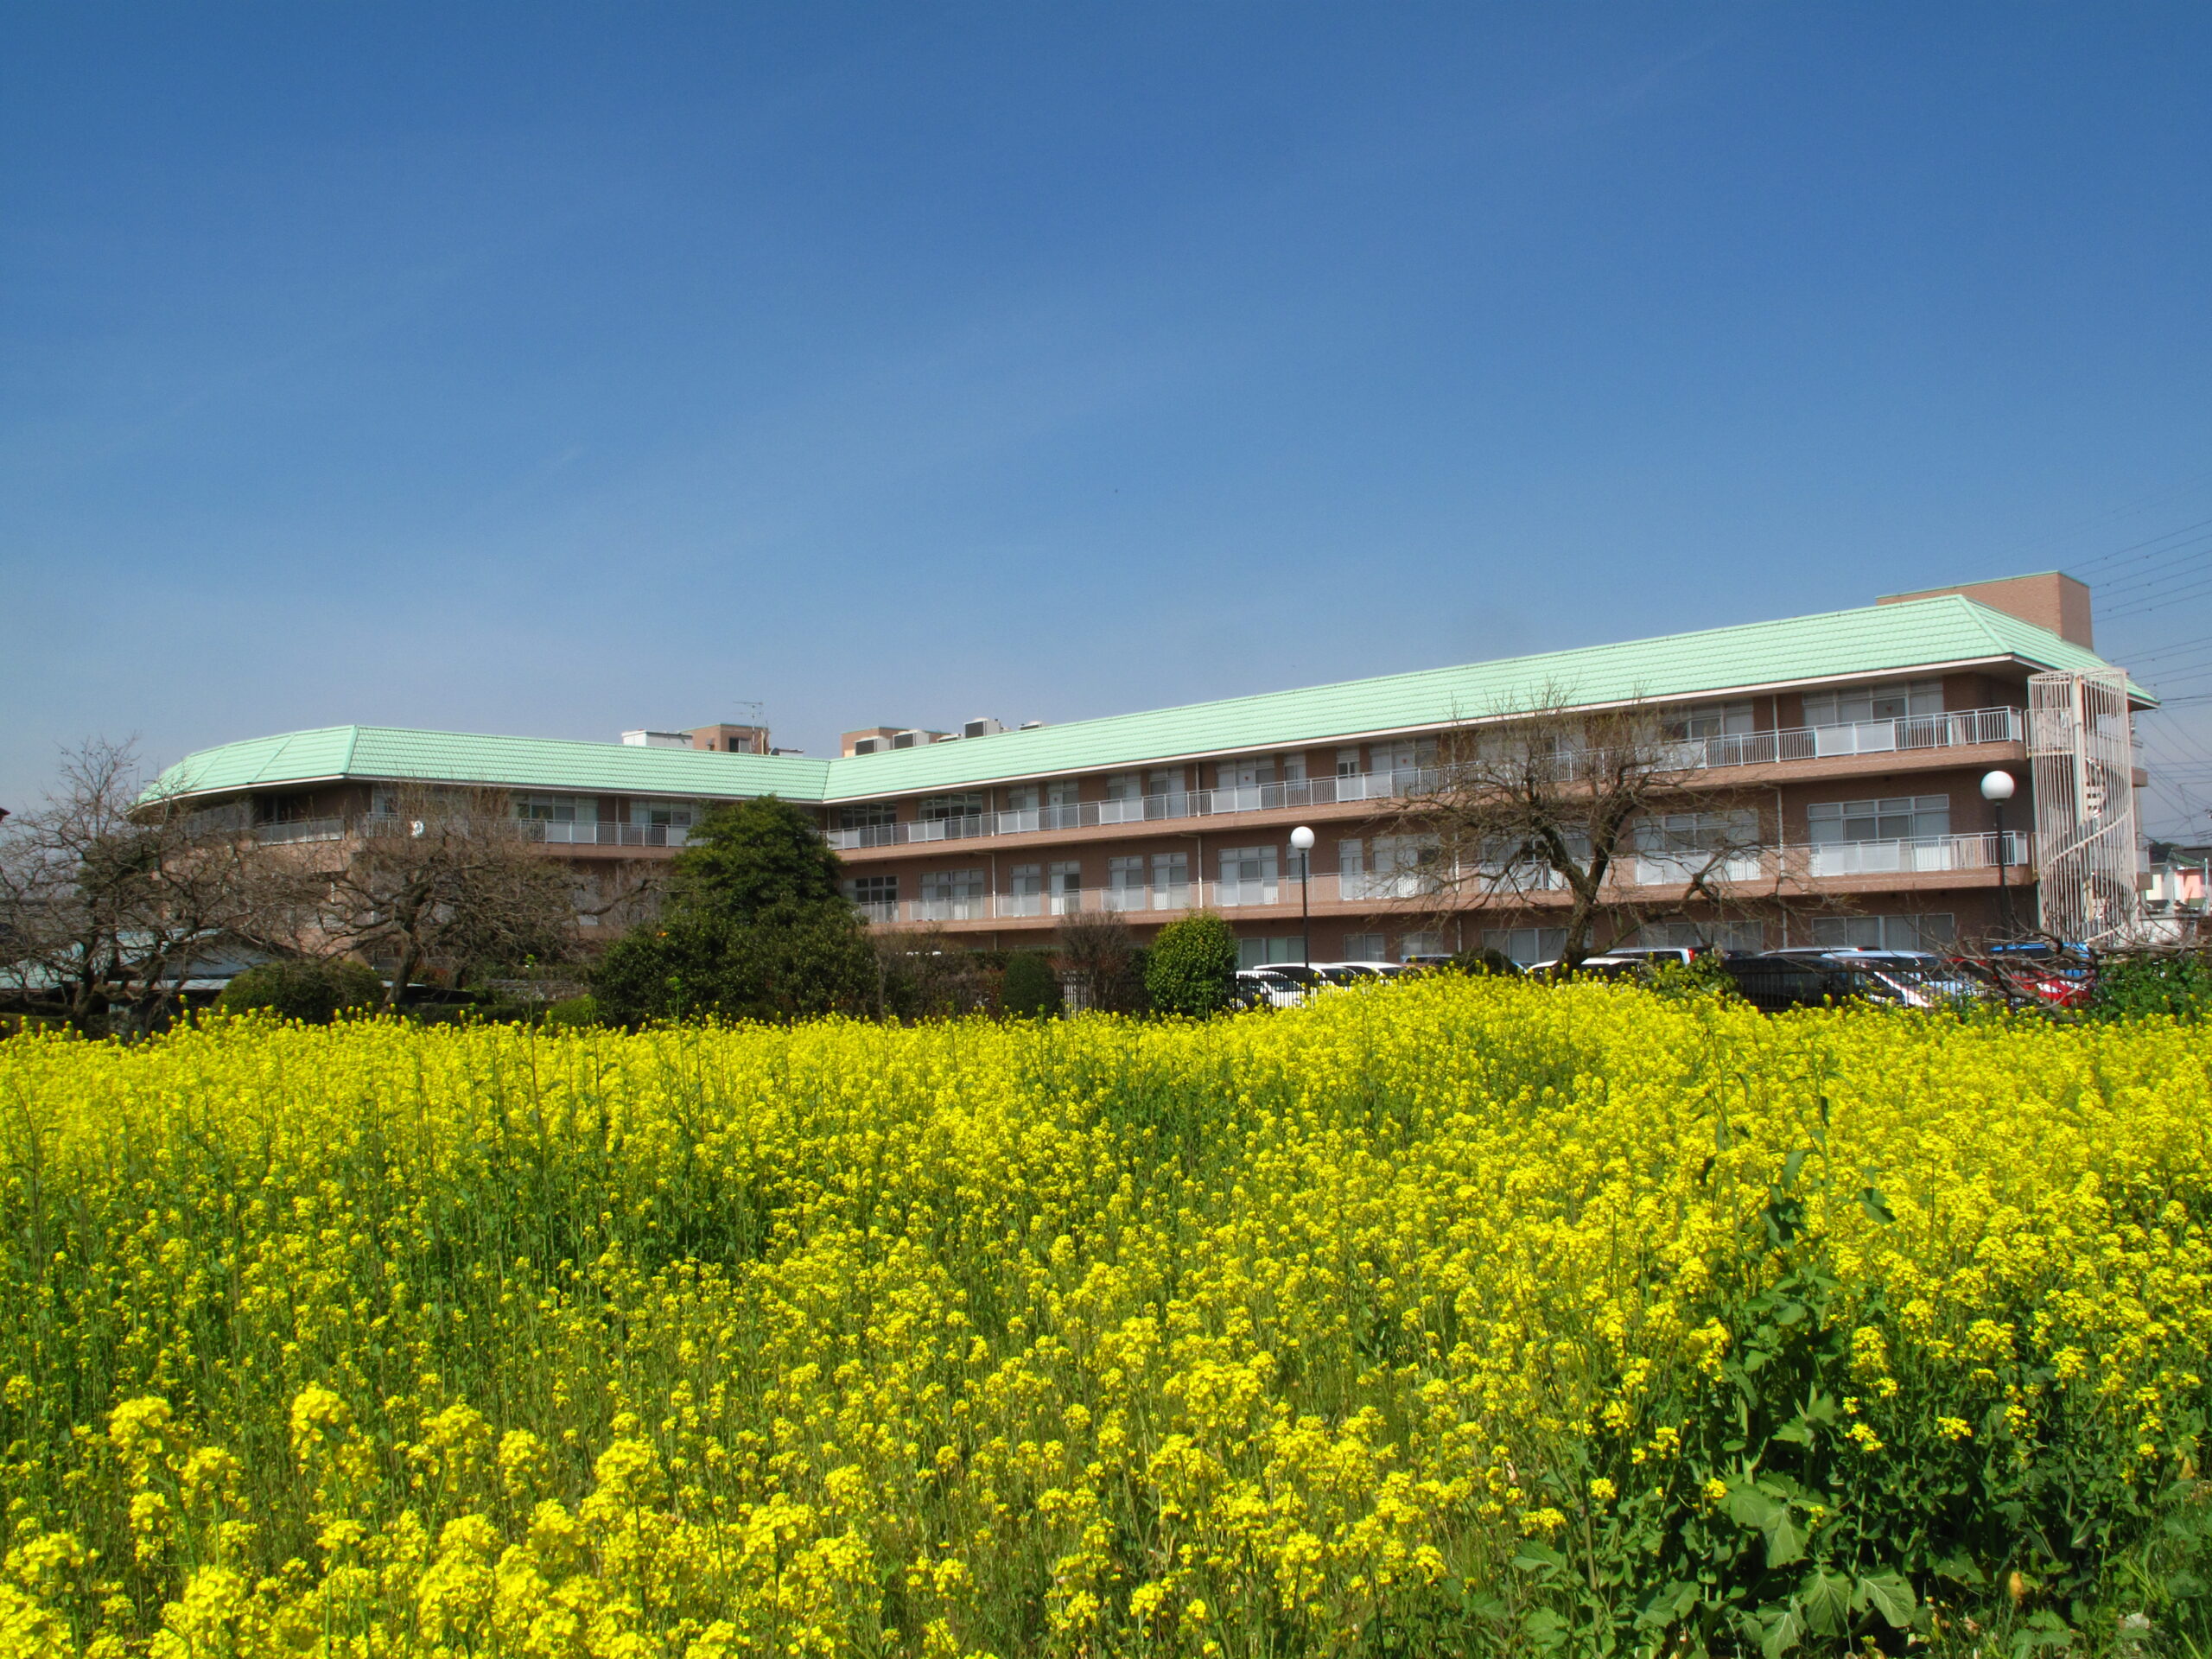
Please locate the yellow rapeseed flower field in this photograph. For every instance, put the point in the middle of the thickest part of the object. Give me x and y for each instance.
(1453, 1316)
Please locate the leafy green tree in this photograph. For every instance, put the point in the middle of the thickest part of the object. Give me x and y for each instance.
(1031, 989)
(755, 926)
(758, 862)
(1191, 967)
(316, 991)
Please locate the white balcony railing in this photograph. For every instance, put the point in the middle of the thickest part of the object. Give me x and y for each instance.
(1917, 855)
(606, 835)
(1663, 869)
(1412, 890)
(273, 834)
(1963, 729)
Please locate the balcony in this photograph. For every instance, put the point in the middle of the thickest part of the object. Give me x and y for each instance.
(1921, 854)
(1416, 890)
(1919, 732)
(278, 835)
(606, 835)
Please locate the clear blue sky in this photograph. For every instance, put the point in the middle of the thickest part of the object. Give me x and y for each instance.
(555, 370)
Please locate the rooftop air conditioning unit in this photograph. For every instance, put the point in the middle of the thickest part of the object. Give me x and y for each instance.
(1030, 725)
(983, 727)
(658, 740)
(870, 745)
(909, 739)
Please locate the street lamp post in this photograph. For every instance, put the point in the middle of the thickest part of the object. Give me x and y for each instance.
(1302, 841)
(1997, 788)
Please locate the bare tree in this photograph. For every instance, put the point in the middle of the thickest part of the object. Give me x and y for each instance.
(1097, 957)
(1591, 819)
(110, 895)
(450, 882)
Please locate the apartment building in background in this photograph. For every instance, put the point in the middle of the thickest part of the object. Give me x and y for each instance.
(1862, 736)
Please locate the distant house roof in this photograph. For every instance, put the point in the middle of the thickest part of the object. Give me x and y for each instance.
(1948, 632)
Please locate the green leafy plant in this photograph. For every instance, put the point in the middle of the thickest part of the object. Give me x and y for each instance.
(315, 990)
(1030, 989)
(2132, 986)
(1192, 967)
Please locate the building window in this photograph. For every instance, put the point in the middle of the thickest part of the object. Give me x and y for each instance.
(1026, 880)
(1684, 846)
(1898, 701)
(951, 895)
(1252, 772)
(1258, 953)
(1404, 755)
(936, 808)
(868, 815)
(1166, 780)
(1063, 877)
(1707, 720)
(1525, 945)
(1427, 942)
(1021, 797)
(1063, 792)
(1126, 874)
(1125, 786)
(665, 815)
(557, 808)
(1348, 763)
(1685, 936)
(1904, 818)
(877, 894)
(1248, 875)
(1170, 878)
(1294, 768)
(1934, 932)
(1364, 947)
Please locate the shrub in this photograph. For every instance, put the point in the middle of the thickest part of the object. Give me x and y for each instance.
(2179, 985)
(572, 1012)
(1192, 966)
(923, 974)
(316, 990)
(1031, 989)
(702, 965)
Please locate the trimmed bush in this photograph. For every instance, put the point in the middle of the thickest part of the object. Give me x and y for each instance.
(698, 966)
(317, 991)
(1031, 989)
(1191, 968)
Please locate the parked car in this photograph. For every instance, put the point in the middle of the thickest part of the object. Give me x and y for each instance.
(1278, 985)
(1357, 973)
(1918, 979)
(1774, 983)
(1656, 954)
(2056, 976)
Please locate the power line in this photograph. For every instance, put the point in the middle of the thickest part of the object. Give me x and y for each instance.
(2142, 608)
(2150, 542)
(2160, 567)
(2122, 512)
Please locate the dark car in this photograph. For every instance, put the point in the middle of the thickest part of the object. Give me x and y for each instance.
(1773, 984)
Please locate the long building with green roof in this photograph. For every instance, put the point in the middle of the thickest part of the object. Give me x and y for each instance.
(1864, 729)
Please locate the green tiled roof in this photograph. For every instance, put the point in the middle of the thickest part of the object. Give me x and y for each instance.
(399, 752)
(1869, 641)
